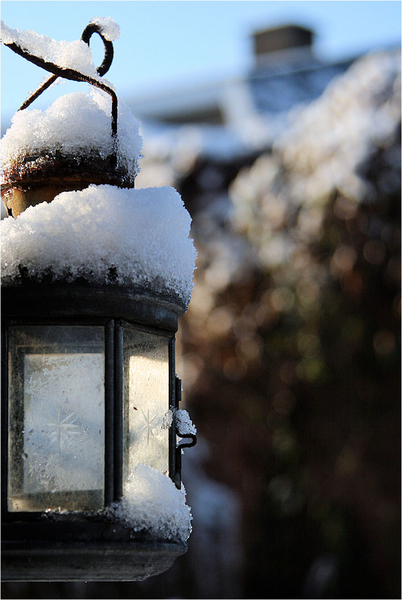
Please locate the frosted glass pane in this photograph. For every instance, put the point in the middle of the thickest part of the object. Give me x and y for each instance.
(146, 401)
(56, 419)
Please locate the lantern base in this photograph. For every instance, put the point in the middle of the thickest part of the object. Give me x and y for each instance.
(119, 561)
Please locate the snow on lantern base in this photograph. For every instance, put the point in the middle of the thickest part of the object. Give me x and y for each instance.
(134, 539)
(153, 503)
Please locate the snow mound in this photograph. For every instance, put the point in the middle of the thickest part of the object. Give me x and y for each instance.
(141, 236)
(74, 125)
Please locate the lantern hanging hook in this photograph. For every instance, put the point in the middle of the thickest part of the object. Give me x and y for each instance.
(108, 58)
(72, 74)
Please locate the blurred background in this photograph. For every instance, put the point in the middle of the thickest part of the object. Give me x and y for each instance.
(279, 124)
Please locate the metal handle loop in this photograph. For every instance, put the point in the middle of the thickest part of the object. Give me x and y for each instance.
(107, 61)
(179, 448)
(72, 74)
(186, 436)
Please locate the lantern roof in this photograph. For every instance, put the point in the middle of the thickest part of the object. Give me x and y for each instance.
(136, 238)
(68, 178)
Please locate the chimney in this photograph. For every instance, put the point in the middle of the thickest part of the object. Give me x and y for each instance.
(286, 43)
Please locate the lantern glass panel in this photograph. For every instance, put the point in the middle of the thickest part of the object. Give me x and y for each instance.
(56, 418)
(146, 401)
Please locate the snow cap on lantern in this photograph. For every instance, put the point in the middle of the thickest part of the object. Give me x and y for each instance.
(68, 178)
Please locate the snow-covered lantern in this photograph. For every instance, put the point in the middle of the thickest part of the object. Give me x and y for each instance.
(95, 275)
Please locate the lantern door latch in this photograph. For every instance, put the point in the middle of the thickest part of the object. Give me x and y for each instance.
(184, 429)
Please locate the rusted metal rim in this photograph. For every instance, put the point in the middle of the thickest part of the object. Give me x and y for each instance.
(38, 179)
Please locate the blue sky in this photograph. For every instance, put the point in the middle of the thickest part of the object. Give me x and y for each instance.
(163, 44)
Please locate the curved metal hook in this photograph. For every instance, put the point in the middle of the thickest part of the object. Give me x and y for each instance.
(189, 436)
(72, 74)
(107, 61)
(180, 446)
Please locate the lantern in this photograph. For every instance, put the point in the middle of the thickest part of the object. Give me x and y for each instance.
(95, 277)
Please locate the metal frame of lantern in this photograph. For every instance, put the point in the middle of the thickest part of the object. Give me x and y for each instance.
(28, 537)
(84, 543)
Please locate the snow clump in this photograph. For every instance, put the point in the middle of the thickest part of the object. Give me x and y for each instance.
(75, 55)
(110, 29)
(151, 501)
(184, 424)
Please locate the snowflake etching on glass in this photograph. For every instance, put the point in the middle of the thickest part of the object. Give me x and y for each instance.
(151, 425)
(147, 400)
(62, 430)
(64, 421)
